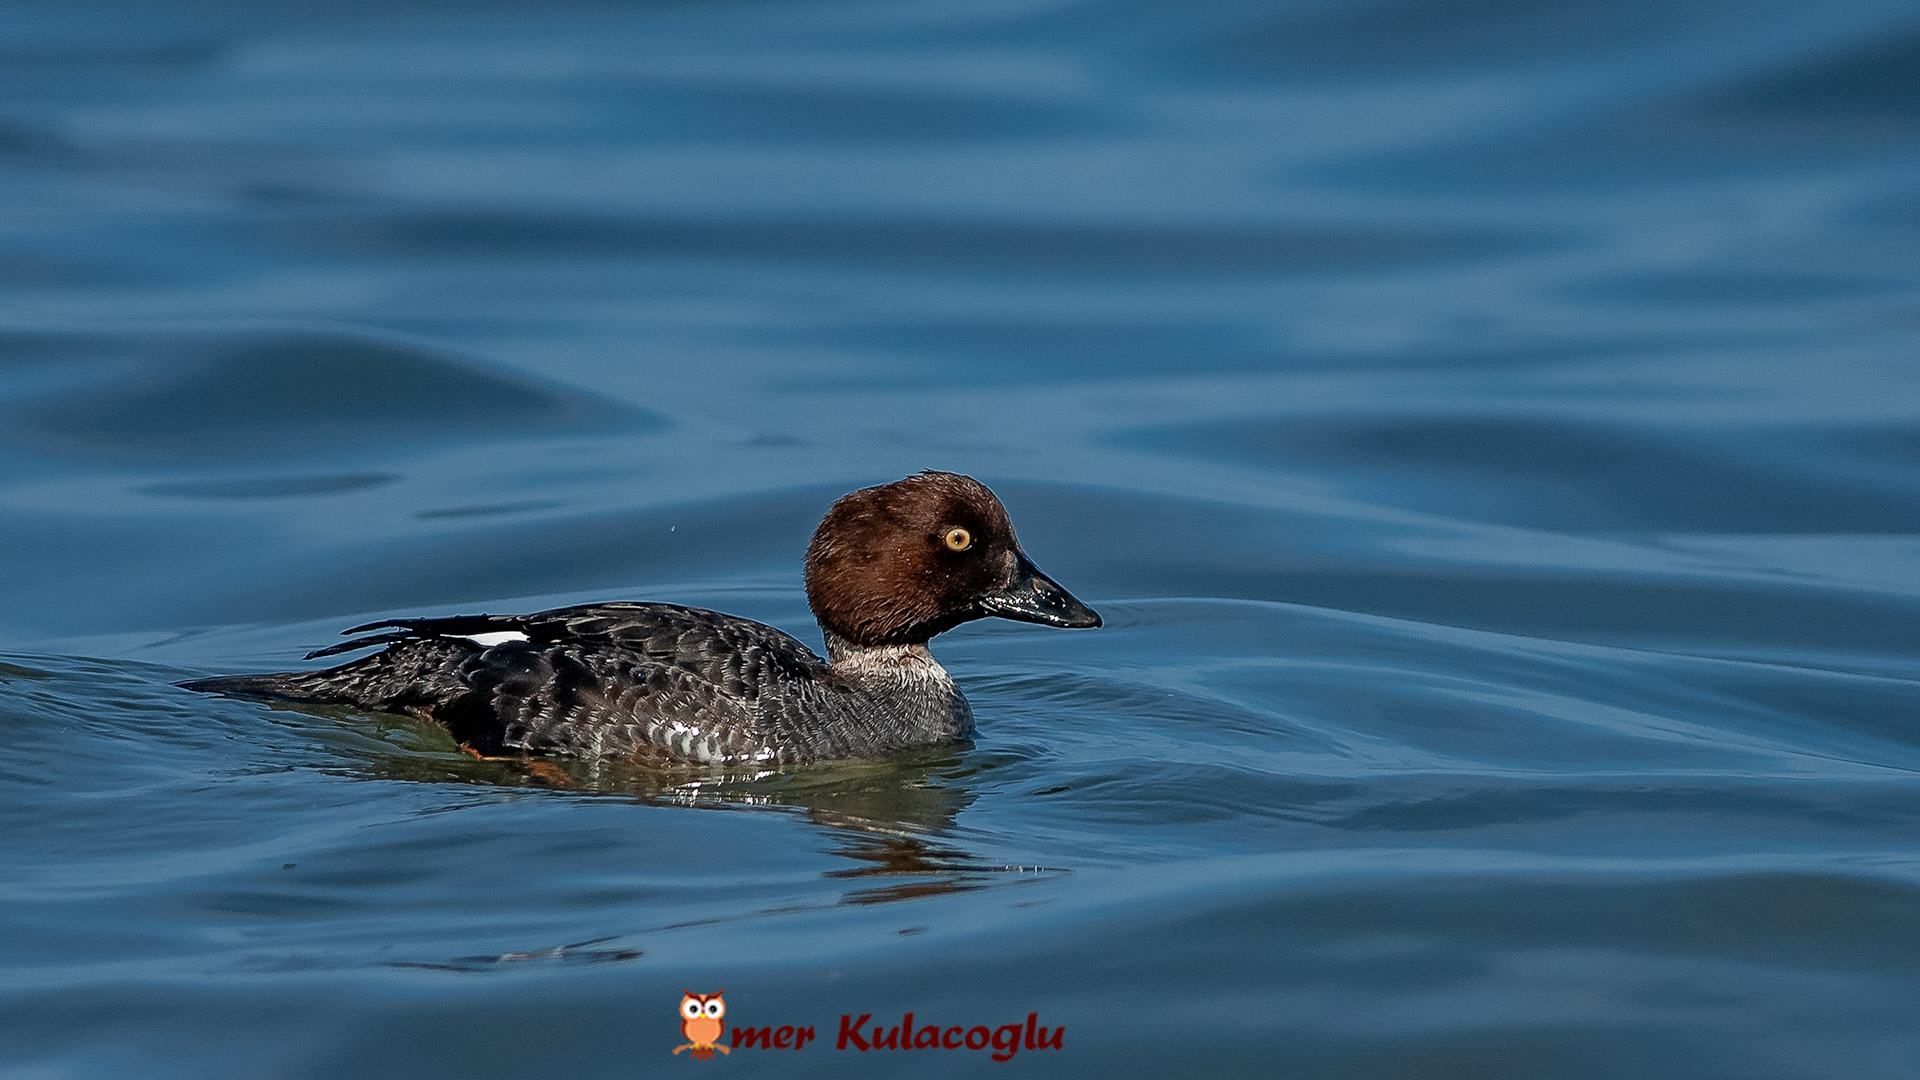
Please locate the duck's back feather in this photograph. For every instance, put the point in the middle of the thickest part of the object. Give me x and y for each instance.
(654, 681)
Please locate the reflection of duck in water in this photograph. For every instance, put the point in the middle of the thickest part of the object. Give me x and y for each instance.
(892, 821)
(890, 567)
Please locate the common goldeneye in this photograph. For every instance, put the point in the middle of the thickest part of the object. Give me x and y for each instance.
(889, 567)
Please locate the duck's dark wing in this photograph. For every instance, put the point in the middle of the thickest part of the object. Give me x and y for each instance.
(652, 680)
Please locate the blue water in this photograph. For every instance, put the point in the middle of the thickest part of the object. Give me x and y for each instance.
(1491, 429)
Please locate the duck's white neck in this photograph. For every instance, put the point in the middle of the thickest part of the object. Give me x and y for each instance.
(904, 684)
(854, 659)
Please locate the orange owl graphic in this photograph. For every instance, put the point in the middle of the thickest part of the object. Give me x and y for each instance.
(700, 1022)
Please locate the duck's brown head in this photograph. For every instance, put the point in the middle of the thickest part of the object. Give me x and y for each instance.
(899, 563)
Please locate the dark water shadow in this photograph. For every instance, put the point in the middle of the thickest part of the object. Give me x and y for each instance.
(1022, 249)
(592, 951)
(269, 487)
(246, 396)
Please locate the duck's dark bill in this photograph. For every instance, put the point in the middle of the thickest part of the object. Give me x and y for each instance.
(1034, 597)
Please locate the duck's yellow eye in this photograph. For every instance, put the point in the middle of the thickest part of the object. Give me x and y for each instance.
(959, 539)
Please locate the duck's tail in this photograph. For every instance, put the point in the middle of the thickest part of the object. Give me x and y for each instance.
(278, 686)
(407, 676)
(424, 678)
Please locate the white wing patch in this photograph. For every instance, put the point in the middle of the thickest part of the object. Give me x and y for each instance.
(498, 637)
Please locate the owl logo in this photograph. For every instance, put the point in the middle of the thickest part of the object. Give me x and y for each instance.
(700, 1023)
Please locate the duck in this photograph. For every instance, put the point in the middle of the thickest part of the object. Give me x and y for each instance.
(890, 568)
